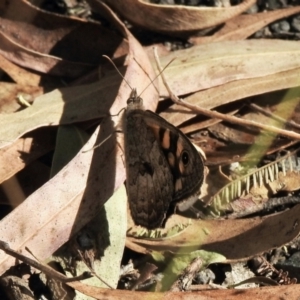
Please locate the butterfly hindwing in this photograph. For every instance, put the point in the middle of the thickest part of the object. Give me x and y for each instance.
(149, 180)
(186, 164)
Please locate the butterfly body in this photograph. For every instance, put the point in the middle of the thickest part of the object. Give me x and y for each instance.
(163, 167)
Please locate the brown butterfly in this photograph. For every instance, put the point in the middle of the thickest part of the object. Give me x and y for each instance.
(164, 170)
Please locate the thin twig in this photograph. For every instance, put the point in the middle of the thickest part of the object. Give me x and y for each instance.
(228, 118)
(92, 271)
(274, 116)
(263, 207)
(185, 279)
(43, 268)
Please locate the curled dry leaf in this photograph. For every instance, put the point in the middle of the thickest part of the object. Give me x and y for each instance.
(19, 75)
(240, 89)
(234, 239)
(286, 291)
(70, 46)
(13, 158)
(173, 18)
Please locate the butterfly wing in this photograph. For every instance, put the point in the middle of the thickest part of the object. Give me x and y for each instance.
(163, 168)
(149, 180)
(186, 164)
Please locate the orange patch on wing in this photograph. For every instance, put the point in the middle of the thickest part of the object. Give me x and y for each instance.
(155, 130)
(165, 142)
(171, 159)
(178, 185)
(181, 167)
(178, 155)
(179, 147)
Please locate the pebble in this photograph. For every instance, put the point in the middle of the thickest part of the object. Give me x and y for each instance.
(280, 27)
(296, 23)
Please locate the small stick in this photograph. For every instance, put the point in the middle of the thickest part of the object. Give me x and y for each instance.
(263, 207)
(228, 118)
(270, 114)
(43, 268)
(184, 281)
(92, 271)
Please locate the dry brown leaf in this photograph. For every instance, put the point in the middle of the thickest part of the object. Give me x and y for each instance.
(45, 205)
(19, 75)
(25, 150)
(229, 92)
(289, 182)
(245, 25)
(108, 234)
(206, 66)
(183, 76)
(173, 18)
(59, 208)
(70, 46)
(286, 292)
(69, 105)
(10, 93)
(243, 69)
(234, 239)
(61, 106)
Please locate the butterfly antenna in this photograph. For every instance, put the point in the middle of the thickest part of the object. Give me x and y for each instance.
(152, 80)
(105, 56)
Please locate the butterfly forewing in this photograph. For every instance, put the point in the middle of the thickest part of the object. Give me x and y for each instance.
(149, 180)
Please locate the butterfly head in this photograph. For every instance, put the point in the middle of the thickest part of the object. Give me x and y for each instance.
(134, 101)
